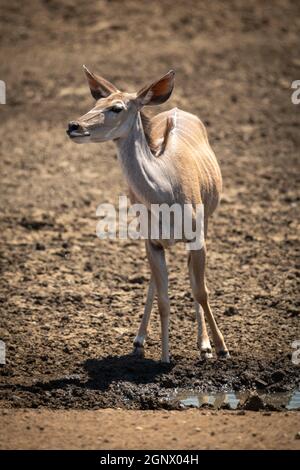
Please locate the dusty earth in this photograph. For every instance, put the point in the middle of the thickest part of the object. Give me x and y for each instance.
(192, 429)
(71, 303)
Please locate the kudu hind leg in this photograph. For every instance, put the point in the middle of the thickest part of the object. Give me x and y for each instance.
(138, 344)
(197, 266)
(203, 342)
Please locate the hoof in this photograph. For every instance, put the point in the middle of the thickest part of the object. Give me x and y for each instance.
(206, 354)
(165, 360)
(223, 354)
(138, 351)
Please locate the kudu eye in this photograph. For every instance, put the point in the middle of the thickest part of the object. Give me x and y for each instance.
(116, 109)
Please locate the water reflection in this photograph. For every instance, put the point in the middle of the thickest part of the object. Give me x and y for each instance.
(232, 400)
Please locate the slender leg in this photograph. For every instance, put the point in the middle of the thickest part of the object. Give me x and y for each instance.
(156, 257)
(139, 340)
(203, 342)
(197, 266)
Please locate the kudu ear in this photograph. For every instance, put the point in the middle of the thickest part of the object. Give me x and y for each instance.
(100, 88)
(158, 92)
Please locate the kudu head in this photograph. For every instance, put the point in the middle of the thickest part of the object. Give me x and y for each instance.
(114, 112)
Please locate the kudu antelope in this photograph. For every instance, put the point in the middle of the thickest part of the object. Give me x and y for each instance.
(166, 159)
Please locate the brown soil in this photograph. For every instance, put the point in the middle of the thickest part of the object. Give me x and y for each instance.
(70, 303)
(100, 429)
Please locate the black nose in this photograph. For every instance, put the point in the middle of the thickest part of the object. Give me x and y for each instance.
(73, 126)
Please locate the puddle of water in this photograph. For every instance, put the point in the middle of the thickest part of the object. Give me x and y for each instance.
(294, 403)
(232, 400)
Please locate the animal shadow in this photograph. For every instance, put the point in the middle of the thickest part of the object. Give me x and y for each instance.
(127, 368)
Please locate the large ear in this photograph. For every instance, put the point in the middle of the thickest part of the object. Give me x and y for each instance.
(158, 92)
(100, 88)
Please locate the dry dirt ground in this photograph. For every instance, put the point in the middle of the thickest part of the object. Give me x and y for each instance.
(71, 303)
(192, 429)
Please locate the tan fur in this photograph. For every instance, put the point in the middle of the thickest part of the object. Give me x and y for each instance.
(166, 159)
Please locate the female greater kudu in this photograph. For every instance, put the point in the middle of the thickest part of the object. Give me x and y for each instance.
(168, 160)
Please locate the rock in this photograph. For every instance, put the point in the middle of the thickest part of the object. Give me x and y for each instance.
(40, 246)
(248, 237)
(230, 311)
(88, 267)
(254, 403)
(297, 435)
(31, 224)
(137, 279)
(16, 399)
(260, 383)
(225, 406)
(278, 375)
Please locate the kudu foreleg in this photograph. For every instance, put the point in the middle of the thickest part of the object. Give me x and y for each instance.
(156, 257)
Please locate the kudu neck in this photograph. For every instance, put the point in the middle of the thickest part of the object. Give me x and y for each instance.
(136, 141)
(146, 174)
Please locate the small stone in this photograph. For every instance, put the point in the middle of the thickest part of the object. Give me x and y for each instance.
(297, 435)
(40, 246)
(137, 279)
(248, 237)
(260, 383)
(278, 375)
(16, 398)
(254, 403)
(230, 311)
(88, 267)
